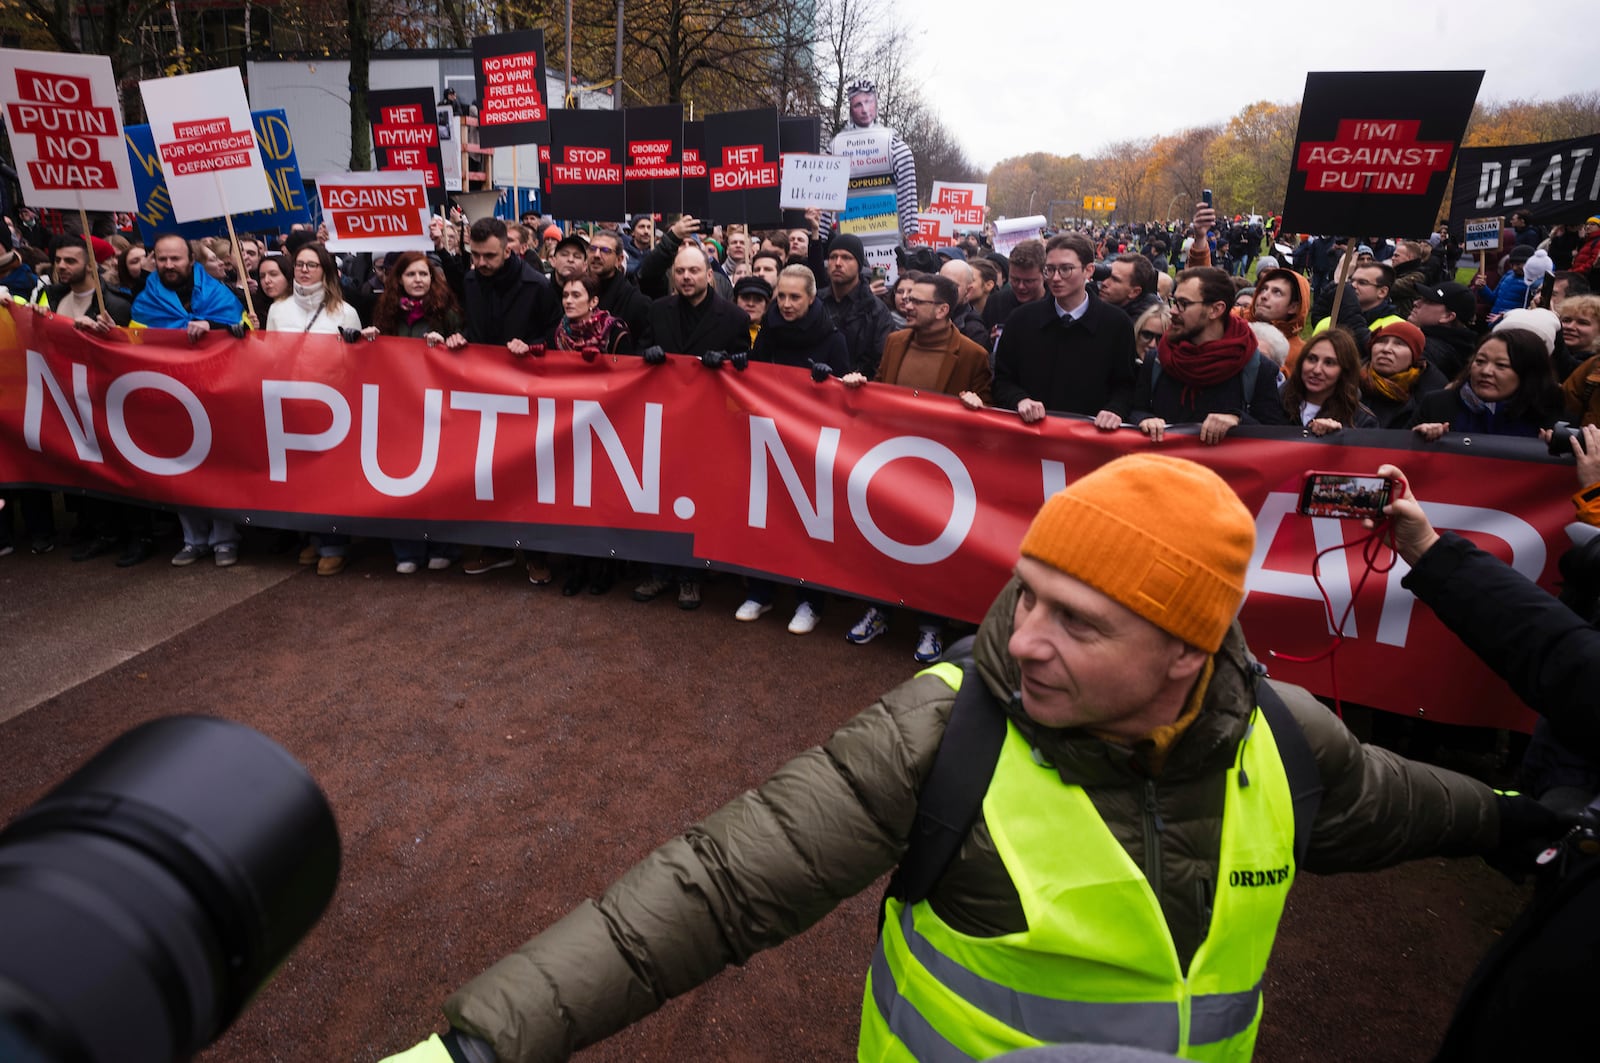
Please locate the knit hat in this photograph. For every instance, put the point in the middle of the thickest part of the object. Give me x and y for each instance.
(1406, 331)
(1520, 254)
(1537, 267)
(551, 232)
(102, 249)
(1542, 323)
(1164, 536)
(1264, 263)
(850, 243)
(1593, 219)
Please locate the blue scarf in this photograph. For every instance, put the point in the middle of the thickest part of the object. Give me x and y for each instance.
(159, 307)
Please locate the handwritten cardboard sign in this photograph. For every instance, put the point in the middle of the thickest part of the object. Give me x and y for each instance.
(821, 181)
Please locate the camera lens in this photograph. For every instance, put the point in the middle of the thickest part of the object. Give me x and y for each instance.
(146, 899)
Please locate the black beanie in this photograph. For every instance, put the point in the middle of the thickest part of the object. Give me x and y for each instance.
(851, 243)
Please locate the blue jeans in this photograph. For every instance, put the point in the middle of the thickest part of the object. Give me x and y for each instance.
(201, 530)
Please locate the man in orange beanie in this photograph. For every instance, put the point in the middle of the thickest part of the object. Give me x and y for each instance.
(1099, 852)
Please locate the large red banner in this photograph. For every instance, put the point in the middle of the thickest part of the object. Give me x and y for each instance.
(882, 493)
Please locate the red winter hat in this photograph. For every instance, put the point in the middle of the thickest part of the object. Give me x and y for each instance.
(1406, 331)
(102, 250)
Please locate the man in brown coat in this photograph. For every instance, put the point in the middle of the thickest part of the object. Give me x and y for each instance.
(931, 355)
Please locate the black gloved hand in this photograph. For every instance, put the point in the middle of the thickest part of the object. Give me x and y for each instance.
(653, 355)
(740, 360)
(820, 371)
(465, 1048)
(712, 359)
(238, 329)
(1527, 828)
(350, 335)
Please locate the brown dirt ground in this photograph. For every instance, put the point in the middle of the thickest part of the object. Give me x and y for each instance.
(495, 753)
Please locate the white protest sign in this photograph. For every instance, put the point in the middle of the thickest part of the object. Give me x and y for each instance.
(964, 203)
(380, 211)
(869, 150)
(1009, 232)
(203, 133)
(66, 130)
(821, 181)
(1482, 234)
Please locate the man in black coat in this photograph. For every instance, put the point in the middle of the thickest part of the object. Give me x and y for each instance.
(1070, 353)
(619, 295)
(1532, 995)
(696, 319)
(1444, 313)
(506, 301)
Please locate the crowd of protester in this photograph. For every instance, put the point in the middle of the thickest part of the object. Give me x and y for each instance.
(1146, 327)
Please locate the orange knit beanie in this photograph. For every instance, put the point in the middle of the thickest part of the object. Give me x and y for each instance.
(1163, 536)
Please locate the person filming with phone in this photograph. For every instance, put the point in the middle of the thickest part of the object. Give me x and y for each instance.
(1533, 996)
(1127, 805)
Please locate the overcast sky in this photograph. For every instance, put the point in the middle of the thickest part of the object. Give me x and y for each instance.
(1012, 78)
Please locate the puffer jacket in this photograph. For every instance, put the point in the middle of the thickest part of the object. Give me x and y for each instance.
(777, 859)
(803, 343)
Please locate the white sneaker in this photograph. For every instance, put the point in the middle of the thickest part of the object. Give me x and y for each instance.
(805, 620)
(752, 610)
(406, 568)
(435, 564)
(929, 645)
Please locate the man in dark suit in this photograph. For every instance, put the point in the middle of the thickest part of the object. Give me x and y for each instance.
(695, 319)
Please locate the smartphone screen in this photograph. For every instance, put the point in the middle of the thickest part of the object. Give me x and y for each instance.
(1347, 496)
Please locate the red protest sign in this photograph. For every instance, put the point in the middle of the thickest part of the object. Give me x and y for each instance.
(886, 493)
(207, 145)
(379, 212)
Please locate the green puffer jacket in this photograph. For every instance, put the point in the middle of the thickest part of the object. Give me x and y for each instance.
(775, 860)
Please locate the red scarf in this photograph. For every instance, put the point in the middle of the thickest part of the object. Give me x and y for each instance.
(591, 332)
(1199, 366)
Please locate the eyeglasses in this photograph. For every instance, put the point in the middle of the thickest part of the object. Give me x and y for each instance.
(1362, 283)
(307, 267)
(1182, 305)
(1060, 271)
(597, 249)
(914, 301)
(1148, 336)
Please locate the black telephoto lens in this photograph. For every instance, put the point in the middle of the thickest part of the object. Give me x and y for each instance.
(146, 899)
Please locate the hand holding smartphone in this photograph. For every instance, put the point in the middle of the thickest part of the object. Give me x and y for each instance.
(1347, 496)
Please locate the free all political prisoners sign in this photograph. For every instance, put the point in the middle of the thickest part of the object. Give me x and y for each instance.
(207, 144)
(886, 493)
(378, 212)
(66, 130)
(509, 71)
(1373, 151)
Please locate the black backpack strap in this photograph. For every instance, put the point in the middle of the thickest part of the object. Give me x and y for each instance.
(1299, 764)
(952, 795)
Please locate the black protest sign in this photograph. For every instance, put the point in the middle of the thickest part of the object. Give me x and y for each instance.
(801, 136)
(586, 155)
(742, 158)
(405, 136)
(1373, 151)
(1555, 182)
(696, 174)
(654, 172)
(510, 74)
